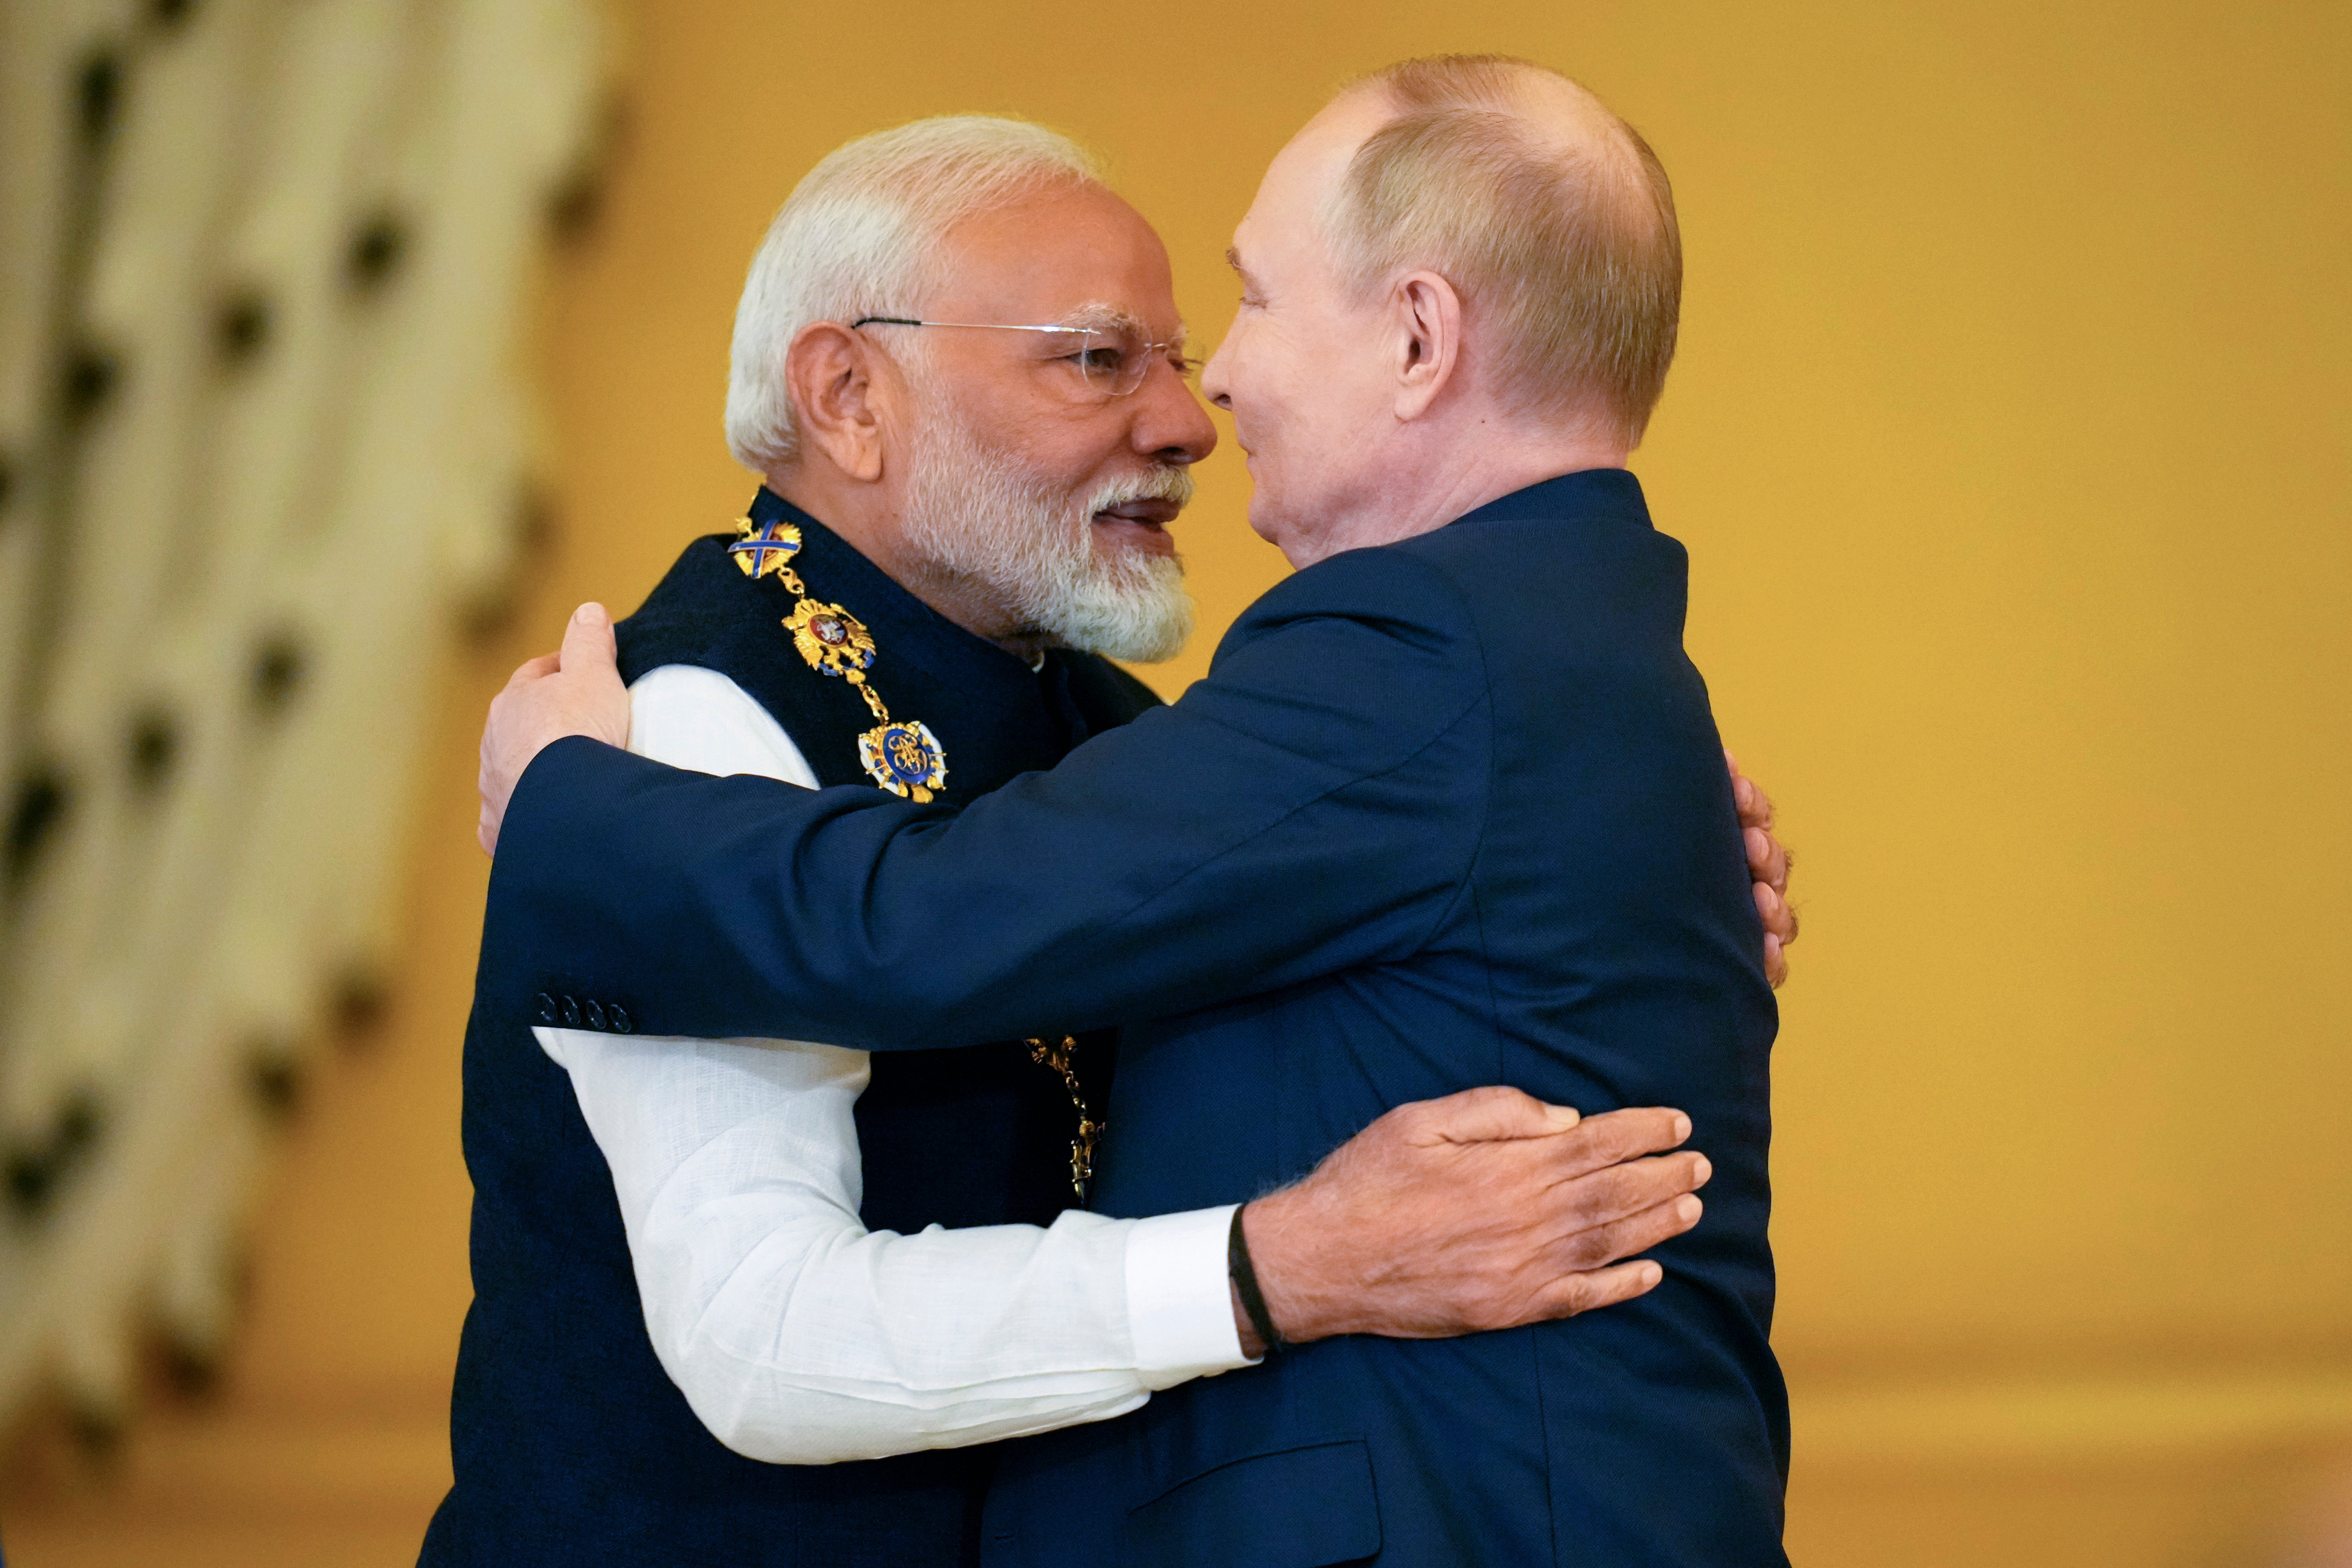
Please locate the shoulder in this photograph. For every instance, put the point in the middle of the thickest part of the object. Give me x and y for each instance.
(1380, 623)
(680, 621)
(1579, 589)
(1361, 659)
(1393, 589)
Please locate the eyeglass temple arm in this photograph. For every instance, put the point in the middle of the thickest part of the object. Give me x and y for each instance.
(988, 326)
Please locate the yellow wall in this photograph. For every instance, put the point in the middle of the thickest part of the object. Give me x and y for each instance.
(2010, 438)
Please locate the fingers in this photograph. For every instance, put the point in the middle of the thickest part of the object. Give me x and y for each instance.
(1779, 915)
(588, 639)
(1617, 1136)
(1770, 864)
(1582, 1292)
(1589, 1206)
(1582, 1216)
(1592, 1276)
(1766, 862)
(1489, 1114)
(587, 643)
(1755, 806)
(1602, 1246)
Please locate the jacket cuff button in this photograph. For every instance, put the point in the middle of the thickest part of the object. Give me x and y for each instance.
(619, 1018)
(570, 1008)
(546, 1008)
(595, 1012)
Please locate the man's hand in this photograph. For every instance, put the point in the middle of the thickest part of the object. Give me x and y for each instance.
(575, 692)
(1485, 1209)
(1769, 864)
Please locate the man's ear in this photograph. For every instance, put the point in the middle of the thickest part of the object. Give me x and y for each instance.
(1427, 316)
(842, 394)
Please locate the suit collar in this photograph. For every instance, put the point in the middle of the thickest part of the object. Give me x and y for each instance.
(1595, 493)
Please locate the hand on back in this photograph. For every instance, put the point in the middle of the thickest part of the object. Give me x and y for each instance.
(1484, 1209)
(577, 691)
(1767, 865)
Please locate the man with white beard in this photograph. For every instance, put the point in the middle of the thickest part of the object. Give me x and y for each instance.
(681, 1244)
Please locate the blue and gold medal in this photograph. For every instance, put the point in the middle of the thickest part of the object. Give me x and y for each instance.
(764, 550)
(902, 756)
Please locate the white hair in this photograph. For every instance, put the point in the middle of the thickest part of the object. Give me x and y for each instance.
(861, 236)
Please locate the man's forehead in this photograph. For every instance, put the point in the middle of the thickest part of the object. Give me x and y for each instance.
(1281, 223)
(1077, 297)
(1091, 263)
(1272, 236)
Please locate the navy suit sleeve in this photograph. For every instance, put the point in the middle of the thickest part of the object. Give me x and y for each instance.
(1314, 804)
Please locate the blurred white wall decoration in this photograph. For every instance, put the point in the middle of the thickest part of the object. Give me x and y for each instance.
(264, 448)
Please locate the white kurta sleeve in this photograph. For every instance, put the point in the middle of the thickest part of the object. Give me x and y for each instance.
(796, 1335)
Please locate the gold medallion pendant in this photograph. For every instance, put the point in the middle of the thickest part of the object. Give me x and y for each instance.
(833, 640)
(902, 756)
(905, 758)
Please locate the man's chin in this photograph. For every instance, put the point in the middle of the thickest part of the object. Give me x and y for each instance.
(1262, 519)
(1136, 624)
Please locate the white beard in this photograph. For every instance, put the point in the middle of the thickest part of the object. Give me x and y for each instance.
(982, 524)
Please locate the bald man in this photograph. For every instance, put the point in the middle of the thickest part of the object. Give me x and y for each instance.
(1449, 809)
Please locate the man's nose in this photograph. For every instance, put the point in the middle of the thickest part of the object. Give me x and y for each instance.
(1213, 377)
(1169, 422)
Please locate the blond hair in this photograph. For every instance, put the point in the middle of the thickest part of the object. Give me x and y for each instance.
(860, 235)
(1564, 250)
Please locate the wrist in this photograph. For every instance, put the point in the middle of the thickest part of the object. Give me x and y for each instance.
(1290, 1251)
(1241, 1275)
(1246, 1331)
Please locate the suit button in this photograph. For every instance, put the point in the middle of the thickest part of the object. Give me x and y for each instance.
(618, 1017)
(595, 1012)
(546, 1008)
(570, 1009)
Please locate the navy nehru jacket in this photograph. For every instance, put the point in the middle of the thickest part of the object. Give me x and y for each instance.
(1445, 813)
(569, 1443)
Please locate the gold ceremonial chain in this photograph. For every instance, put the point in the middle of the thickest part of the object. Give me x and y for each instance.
(902, 756)
(1059, 1059)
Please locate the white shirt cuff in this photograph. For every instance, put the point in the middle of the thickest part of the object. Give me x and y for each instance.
(1179, 1307)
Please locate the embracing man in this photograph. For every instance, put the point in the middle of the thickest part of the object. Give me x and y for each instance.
(1401, 842)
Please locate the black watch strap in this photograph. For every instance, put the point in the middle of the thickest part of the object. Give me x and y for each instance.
(1244, 1277)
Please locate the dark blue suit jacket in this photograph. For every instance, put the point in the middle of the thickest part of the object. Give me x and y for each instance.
(1445, 812)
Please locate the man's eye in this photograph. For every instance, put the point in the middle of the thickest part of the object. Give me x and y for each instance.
(1099, 361)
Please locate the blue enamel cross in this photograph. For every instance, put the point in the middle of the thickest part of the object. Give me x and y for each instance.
(778, 539)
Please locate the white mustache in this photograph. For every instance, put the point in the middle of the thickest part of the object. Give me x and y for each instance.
(1167, 484)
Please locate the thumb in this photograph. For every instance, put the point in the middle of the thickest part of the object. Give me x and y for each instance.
(1492, 1114)
(587, 640)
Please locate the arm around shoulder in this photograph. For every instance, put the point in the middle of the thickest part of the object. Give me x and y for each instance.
(1299, 811)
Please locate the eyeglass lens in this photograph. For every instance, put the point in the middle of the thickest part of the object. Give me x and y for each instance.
(1114, 362)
